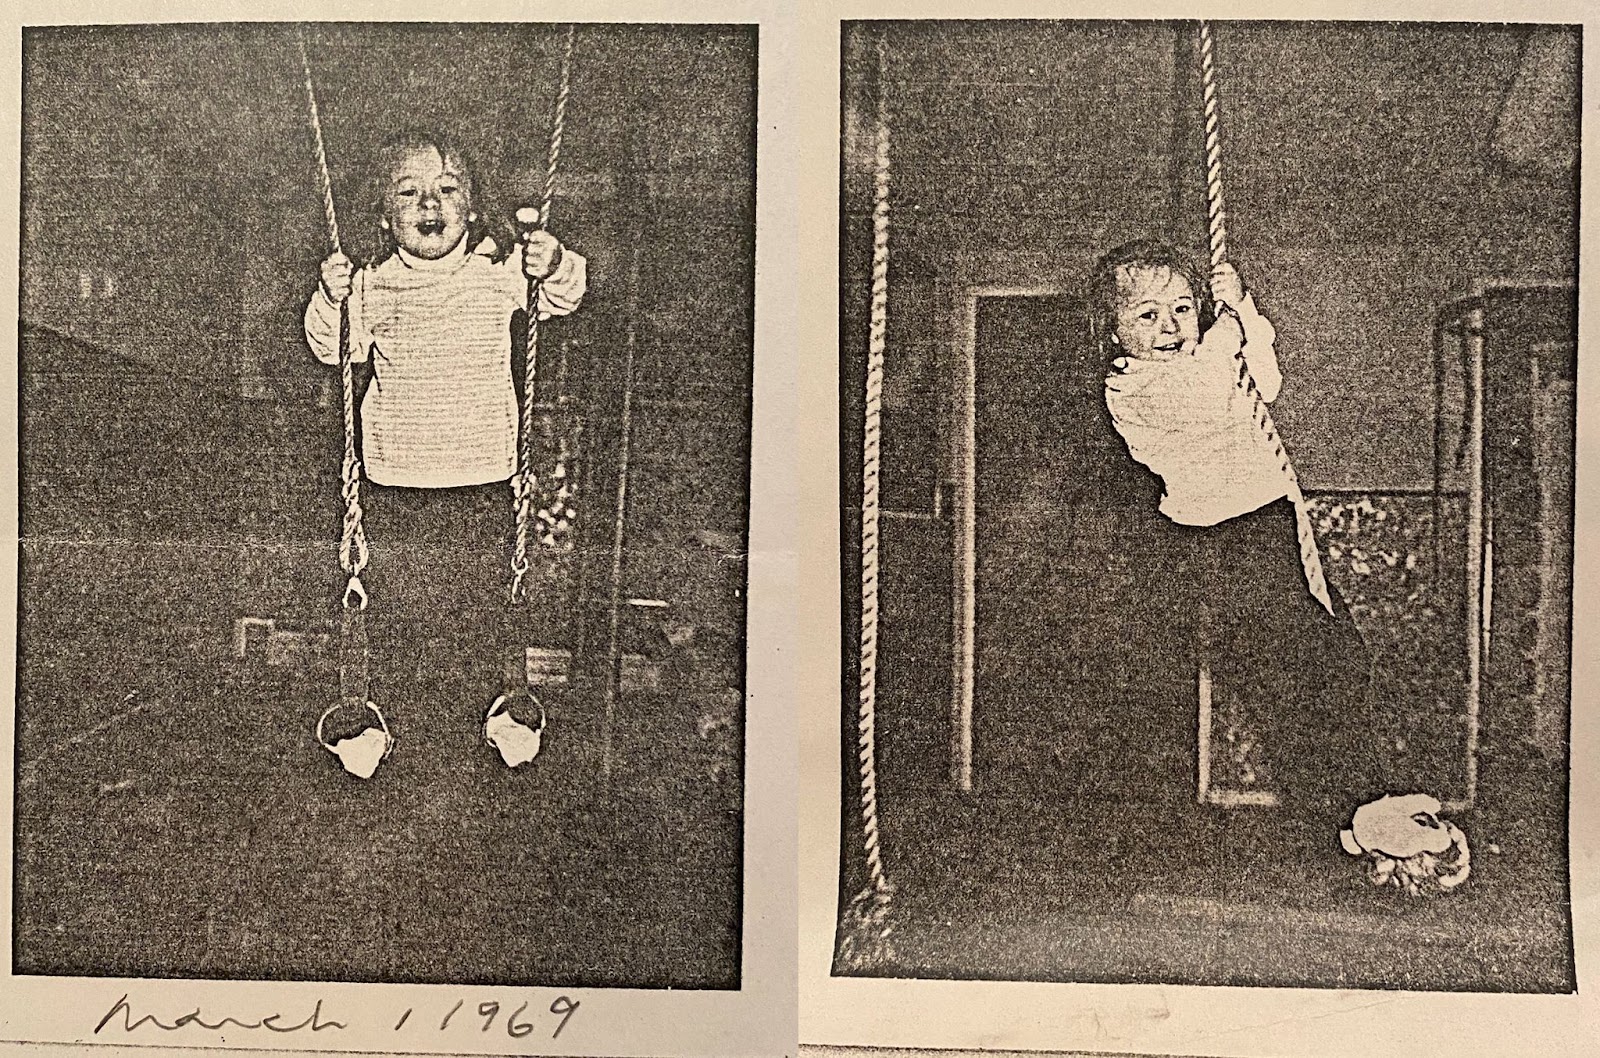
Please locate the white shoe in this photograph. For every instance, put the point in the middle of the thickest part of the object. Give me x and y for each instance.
(517, 742)
(360, 754)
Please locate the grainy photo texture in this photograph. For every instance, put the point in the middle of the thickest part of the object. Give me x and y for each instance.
(1207, 468)
(385, 410)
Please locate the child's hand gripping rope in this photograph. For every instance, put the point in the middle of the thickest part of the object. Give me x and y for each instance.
(1226, 286)
(336, 274)
(541, 255)
(541, 251)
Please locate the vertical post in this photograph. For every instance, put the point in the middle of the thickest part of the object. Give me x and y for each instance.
(1202, 786)
(1436, 499)
(965, 551)
(1479, 569)
(613, 685)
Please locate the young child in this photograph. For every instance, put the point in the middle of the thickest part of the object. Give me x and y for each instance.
(1171, 343)
(439, 419)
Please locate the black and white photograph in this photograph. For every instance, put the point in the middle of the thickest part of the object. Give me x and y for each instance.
(1207, 448)
(744, 529)
(384, 411)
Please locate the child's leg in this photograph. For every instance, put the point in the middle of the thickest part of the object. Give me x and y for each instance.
(396, 631)
(475, 618)
(438, 578)
(1304, 673)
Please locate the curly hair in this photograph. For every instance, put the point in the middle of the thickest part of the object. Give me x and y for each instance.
(1103, 295)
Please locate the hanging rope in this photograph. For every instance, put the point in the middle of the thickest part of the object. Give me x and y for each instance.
(867, 927)
(328, 211)
(1215, 211)
(525, 482)
(353, 537)
(1310, 557)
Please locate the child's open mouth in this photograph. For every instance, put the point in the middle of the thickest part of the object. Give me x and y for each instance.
(430, 227)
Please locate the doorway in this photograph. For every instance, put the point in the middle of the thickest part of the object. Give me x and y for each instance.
(1077, 685)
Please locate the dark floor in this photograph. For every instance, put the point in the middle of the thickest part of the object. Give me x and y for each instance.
(1008, 886)
(175, 817)
(1082, 855)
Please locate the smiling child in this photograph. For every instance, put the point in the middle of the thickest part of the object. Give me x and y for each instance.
(438, 428)
(1172, 342)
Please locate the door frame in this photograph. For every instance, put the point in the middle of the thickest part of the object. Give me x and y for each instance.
(1480, 557)
(962, 474)
(963, 455)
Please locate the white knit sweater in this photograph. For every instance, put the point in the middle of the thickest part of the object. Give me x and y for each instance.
(1190, 422)
(441, 410)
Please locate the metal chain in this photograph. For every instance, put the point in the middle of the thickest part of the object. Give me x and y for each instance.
(525, 482)
(1310, 557)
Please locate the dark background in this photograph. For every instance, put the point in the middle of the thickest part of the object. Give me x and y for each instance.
(1373, 172)
(179, 459)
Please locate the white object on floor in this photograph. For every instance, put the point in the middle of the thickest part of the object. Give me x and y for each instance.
(517, 742)
(362, 753)
(1405, 843)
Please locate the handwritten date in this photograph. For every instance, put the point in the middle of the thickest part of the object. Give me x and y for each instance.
(516, 1024)
(563, 1007)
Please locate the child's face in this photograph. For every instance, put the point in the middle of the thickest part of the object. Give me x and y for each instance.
(1157, 317)
(426, 203)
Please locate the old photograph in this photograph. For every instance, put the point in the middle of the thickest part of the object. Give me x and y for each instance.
(1207, 438)
(384, 461)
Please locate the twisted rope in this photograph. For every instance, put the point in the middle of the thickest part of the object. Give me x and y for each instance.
(557, 128)
(1310, 557)
(328, 211)
(868, 915)
(525, 482)
(353, 536)
(1215, 211)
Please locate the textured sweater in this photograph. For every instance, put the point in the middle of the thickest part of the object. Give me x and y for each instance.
(441, 410)
(1190, 421)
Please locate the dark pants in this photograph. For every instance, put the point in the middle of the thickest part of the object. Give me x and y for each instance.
(438, 577)
(1302, 673)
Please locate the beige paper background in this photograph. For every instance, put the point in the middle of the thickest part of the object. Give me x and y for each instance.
(794, 656)
(757, 1020)
(873, 1015)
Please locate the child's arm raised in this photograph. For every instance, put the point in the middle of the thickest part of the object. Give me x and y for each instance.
(335, 283)
(1260, 337)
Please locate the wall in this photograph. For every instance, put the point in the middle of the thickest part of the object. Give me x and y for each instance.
(1361, 186)
(173, 219)
(1368, 181)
